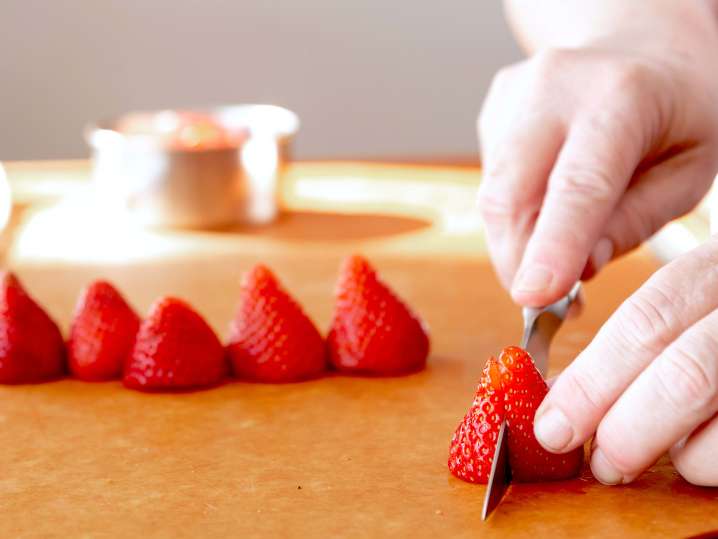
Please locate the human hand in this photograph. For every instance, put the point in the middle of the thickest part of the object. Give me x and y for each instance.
(586, 153)
(648, 383)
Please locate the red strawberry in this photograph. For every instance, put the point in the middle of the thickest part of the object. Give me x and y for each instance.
(102, 333)
(271, 339)
(174, 349)
(472, 447)
(31, 345)
(373, 331)
(524, 389)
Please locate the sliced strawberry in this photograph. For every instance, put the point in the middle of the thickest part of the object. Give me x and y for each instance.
(174, 349)
(373, 332)
(524, 389)
(31, 345)
(102, 333)
(472, 447)
(271, 339)
(510, 389)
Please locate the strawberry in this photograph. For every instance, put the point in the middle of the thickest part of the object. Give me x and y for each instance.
(373, 332)
(174, 349)
(102, 333)
(271, 339)
(31, 345)
(473, 445)
(510, 389)
(524, 389)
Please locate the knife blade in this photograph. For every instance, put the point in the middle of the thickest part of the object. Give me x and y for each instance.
(540, 325)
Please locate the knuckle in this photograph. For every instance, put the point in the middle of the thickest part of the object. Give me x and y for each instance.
(550, 60)
(544, 67)
(590, 185)
(627, 77)
(501, 75)
(497, 205)
(496, 171)
(688, 379)
(585, 389)
(501, 80)
(503, 196)
(628, 96)
(616, 130)
(495, 100)
(649, 319)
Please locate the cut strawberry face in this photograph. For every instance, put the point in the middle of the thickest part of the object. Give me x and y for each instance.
(512, 389)
(472, 447)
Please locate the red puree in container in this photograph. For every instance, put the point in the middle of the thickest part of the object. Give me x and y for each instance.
(180, 130)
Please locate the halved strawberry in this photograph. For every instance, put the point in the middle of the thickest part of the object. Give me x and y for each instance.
(472, 447)
(373, 331)
(524, 389)
(271, 339)
(102, 333)
(31, 345)
(174, 349)
(512, 389)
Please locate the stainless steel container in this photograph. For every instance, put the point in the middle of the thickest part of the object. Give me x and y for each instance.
(195, 187)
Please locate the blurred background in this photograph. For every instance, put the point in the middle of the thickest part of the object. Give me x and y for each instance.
(366, 81)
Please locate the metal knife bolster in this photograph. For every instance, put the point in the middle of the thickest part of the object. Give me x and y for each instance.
(540, 325)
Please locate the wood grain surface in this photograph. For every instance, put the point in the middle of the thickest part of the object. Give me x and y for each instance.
(335, 457)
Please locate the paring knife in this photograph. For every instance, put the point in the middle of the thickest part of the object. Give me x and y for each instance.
(540, 325)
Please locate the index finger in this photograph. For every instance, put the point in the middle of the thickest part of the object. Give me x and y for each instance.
(591, 173)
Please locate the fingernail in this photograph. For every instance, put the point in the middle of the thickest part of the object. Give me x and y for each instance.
(602, 253)
(603, 470)
(533, 279)
(553, 430)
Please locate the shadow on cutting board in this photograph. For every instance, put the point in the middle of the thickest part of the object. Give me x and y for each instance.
(324, 226)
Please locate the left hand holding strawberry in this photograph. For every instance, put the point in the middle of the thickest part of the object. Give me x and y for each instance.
(648, 383)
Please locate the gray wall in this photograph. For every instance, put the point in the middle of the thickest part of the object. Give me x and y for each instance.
(369, 78)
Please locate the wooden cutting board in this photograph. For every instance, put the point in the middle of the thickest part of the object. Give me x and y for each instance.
(336, 457)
